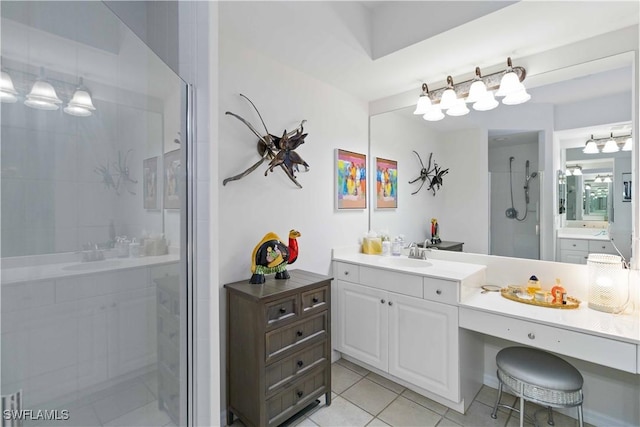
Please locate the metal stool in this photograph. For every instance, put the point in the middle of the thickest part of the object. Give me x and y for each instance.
(539, 377)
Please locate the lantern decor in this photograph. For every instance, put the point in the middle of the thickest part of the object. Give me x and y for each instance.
(608, 283)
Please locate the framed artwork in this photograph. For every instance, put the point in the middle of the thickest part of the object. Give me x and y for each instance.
(150, 183)
(171, 173)
(351, 180)
(626, 187)
(386, 183)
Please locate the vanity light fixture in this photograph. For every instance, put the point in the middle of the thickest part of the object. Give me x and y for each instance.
(7, 91)
(577, 171)
(568, 172)
(479, 91)
(607, 179)
(598, 179)
(610, 146)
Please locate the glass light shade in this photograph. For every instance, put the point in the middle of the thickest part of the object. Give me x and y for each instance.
(80, 105)
(598, 179)
(460, 109)
(577, 171)
(433, 114)
(7, 90)
(486, 103)
(587, 187)
(519, 97)
(42, 96)
(448, 99)
(477, 91)
(627, 145)
(607, 179)
(568, 172)
(423, 105)
(608, 283)
(509, 84)
(610, 147)
(591, 148)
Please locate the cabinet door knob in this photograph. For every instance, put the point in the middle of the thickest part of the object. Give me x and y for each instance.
(299, 393)
(299, 333)
(300, 363)
(390, 303)
(346, 273)
(283, 310)
(382, 301)
(532, 336)
(314, 300)
(439, 292)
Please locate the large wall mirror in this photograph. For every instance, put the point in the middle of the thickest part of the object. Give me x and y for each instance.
(503, 192)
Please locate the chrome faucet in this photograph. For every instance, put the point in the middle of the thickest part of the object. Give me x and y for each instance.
(415, 252)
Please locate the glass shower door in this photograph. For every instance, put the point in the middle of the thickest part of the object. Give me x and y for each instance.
(93, 276)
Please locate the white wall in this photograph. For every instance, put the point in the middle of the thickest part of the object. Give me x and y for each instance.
(394, 136)
(255, 205)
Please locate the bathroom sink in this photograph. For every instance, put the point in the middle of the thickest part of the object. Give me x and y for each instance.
(405, 262)
(93, 265)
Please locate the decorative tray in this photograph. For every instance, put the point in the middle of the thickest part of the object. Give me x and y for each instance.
(571, 301)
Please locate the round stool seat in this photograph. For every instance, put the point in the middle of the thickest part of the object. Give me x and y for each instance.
(539, 368)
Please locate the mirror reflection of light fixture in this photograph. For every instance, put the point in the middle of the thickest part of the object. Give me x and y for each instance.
(598, 179)
(577, 171)
(568, 172)
(7, 90)
(587, 187)
(43, 96)
(610, 146)
(81, 104)
(627, 145)
(607, 179)
(478, 91)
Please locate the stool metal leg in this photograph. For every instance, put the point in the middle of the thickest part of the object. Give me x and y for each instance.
(521, 410)
(550, 420)
(494, 413)
(580, 420)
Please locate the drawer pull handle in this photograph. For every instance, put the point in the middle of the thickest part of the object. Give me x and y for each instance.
(574, 245)
(346, 273)
(314, 300)
(300, 363)
(532, 336)
(382, 301)
(283, 310)
(299, 333)
(390, 303)
(439, 292)
(299, 393)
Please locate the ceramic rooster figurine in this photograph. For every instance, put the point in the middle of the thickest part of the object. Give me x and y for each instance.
(272, 256)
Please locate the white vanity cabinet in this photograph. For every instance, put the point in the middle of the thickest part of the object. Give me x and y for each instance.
(576, 251)
(406, 326)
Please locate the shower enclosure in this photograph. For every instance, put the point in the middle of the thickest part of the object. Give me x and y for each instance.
(93, 267)
(515, 196)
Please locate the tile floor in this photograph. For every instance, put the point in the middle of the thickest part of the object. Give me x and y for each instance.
(129, 403)
(363, 398)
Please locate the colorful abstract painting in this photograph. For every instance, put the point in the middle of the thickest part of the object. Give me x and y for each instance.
(351, 180)
(386, 183)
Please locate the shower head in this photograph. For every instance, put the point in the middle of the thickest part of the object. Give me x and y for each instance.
(530, 177)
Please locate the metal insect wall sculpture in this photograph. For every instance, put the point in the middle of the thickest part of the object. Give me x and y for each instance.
(431, 174)
(279, 150)
(118, 178)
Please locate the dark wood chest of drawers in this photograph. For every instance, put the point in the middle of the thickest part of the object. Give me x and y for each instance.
(278, 347)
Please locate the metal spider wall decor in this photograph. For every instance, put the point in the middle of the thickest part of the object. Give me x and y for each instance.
(279, 150)
(118, 178)
(431, 174)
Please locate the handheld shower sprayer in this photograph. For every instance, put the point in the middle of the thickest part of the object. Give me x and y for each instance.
(511, 212)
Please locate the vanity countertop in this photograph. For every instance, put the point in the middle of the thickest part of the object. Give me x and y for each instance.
(58, 270)
(621, 327)
(583, 233)
(448, 270)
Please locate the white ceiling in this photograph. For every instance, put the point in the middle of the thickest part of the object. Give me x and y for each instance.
(338, 42)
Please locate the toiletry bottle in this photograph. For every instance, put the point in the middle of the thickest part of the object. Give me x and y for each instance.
(559, 293)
